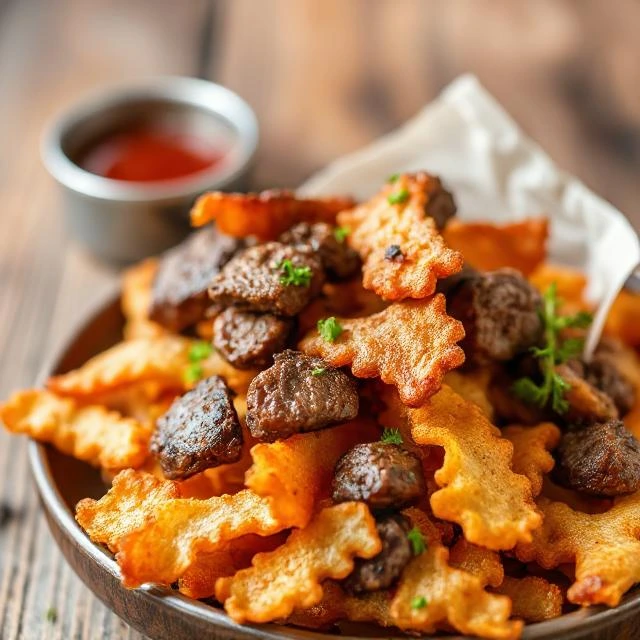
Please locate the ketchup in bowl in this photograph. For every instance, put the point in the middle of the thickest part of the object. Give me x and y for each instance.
(150, 155)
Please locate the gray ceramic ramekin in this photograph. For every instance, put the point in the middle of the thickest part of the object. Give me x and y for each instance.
(126, 221)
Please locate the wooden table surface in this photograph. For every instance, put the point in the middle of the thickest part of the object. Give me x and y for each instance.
(325, 77)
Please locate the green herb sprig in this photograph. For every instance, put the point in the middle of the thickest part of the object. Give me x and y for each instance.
(556, 350)
(398, 197)
(329, 328)
(418, 545)
(292, 275)
(341, 233)
(391, 436)
(198, 352)
(419, 602)
(318, 371)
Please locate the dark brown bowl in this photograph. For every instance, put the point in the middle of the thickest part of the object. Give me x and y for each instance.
(164, 614)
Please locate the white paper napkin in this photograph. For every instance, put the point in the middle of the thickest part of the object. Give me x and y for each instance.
(497, 173)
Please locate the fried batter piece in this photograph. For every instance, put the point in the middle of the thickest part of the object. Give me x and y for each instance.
(397, 238)
(410, 344)
(264, 215)
(200, 430)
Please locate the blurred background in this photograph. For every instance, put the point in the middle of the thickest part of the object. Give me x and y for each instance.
(324, 77)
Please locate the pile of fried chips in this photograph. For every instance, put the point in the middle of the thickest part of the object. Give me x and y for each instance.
(502, 544)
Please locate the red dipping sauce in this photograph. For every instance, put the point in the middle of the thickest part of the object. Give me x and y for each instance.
(150, 156)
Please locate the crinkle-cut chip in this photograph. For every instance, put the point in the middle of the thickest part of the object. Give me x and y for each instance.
(533, 598)
(135, 300)
(291, 576)
(623, 321)
(452, 596)
(410, 345)
(570, 284)
(486, 246)
(293, 474)
(163, 360)
(604, 546)
(495, 514)
(199, 581)
(182, 528)
(90, 433)
(478, 561)
(264, 215)
(473, 386)
(378, 224)
(126, 506)
(531, 447)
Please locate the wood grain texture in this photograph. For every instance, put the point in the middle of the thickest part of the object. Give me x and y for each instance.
(325, 78)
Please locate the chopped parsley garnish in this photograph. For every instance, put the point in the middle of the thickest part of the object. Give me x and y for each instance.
(193, 373)
(393, 177)
(418, 544)
(398, 197)
(393, 252)
(292, 275)
(51, 615)
(419, 602)
(391, 436)
(329, 329)
(200, 351)
(556, 350)
(318, 371)
(340, 233)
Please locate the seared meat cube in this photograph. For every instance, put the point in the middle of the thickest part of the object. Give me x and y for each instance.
(338, 259)
(440, 204)
(200, 430)
(381, 571)
(601, 459)
(381, 474)
(499, 311)
(271, 277)
(248, 340)
(299, 393)
(179, 298)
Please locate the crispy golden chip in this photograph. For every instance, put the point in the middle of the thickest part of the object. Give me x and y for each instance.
(531, 446)
(183, 528)
(131, 500)
(431, 593)
(90, 433)
(164, 361)
(410, 344)
(487, 247)
(379, 224)
(473, 386)
(293, 474)
(264, 215)
(290, 577)
(604, 547)
(533, 598)
(570, 285)
(135, 299)
(624, 318)
(478, 561)
(480, 492)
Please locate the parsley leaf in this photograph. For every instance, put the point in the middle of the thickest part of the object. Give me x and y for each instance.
(193, 373)
(393, 177)
(200, 351)
(391, 436)
(398, 197)
(340, 233)
(552, 390)
(51, 615)
(292, 275)
(318, 371)
(418, 544)
(329, 329)
(419, 602)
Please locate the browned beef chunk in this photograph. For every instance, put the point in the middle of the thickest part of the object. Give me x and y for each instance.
(255, 279)
(440, 204)
(499, 311)
(179, 298)
(381, 571)
(381, 474)
(200, 430)
(338, 259)
(601, 459)
(299, 393)
(248, 340)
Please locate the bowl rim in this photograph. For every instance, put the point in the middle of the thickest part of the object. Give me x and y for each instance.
(191, 92)
(571, 624)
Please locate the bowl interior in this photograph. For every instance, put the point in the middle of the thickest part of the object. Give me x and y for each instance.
(62, 481)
